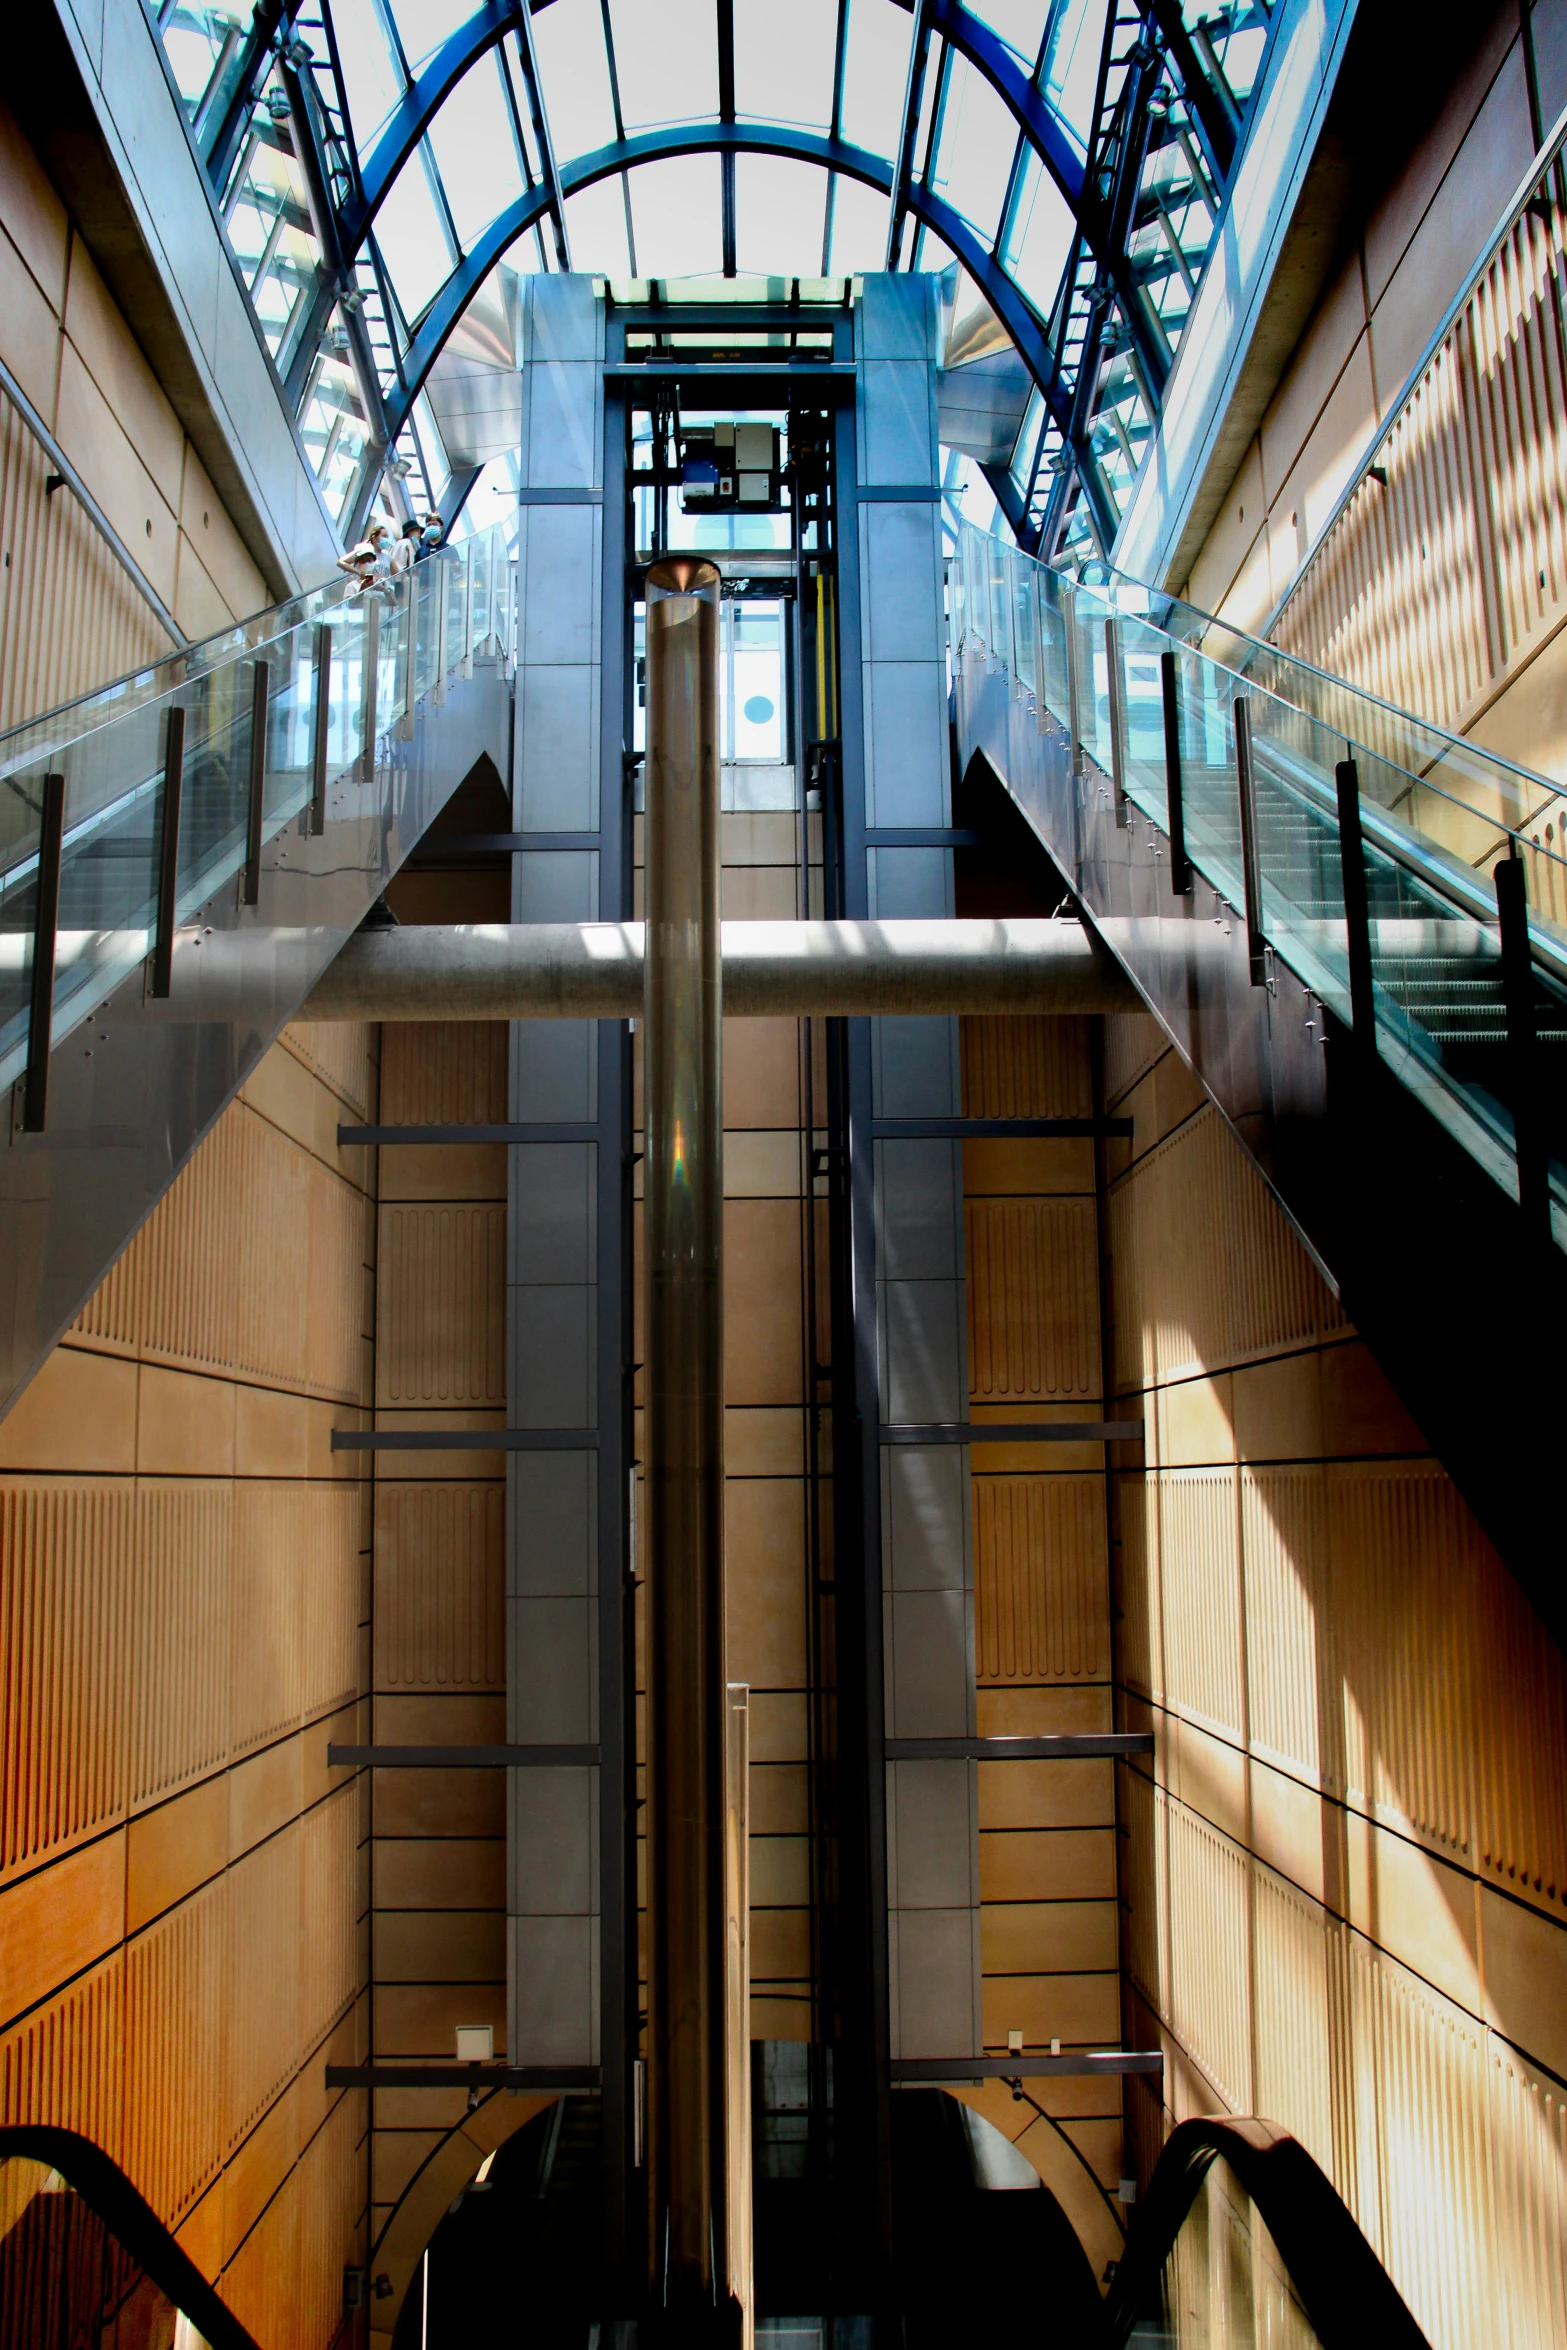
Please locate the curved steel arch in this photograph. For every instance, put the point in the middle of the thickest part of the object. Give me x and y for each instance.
(411, 118)
(828, 154)
(955, 24)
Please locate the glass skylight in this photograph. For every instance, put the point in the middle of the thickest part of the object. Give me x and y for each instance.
(708, 138)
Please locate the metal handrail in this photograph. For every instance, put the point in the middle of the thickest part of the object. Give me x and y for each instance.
(94, 512)
(1348, 2295)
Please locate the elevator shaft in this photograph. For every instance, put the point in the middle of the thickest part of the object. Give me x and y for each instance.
(691, 2225)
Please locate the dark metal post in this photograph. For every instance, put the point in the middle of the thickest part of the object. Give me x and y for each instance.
(46, 923)
(1174, 787)
(1074, 690)
(1115, 698)
(169, 853)
(370, 679)
(1251, 868)
(260, 691)
(690, 2203)
(1357, 912)
(1512, 907)
(322, 730)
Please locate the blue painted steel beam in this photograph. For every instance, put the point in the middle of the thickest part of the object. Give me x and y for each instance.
(623, 155)
(1026, 103)
(409, 121)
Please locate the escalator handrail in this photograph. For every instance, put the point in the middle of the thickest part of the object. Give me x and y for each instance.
(1442, 738)
(98, 2179)
(1397, 840)
(1348, 2295)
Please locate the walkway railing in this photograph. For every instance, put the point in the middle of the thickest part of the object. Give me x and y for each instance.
(1383, 861)
(136, 804)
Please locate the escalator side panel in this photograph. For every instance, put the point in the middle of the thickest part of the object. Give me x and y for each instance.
(134, 1088)
(1428, 1255)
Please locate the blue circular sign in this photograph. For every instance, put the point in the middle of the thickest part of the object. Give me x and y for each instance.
(758, 709)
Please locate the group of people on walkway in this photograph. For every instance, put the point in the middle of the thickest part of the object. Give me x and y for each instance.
(380, 556)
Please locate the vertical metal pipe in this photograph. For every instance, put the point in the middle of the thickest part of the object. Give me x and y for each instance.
(46, 924)
(1174, 782)
(688, 2088)
(737, 1995)
(1251, 862)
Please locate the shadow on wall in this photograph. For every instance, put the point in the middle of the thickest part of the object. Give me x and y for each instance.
(84, 2258)
(1347, 1890)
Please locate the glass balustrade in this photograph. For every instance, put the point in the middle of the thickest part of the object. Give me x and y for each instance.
(337, 664)
(1437, 818)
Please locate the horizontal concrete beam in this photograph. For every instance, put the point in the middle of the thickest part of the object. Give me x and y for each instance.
(593, 971)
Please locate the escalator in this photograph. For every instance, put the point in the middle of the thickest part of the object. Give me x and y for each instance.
(181, 856)
(1350, 926)
(1241, 2242)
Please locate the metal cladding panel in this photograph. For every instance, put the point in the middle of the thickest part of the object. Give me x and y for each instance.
(921, 1353)
(907, 769)
(558, 747)
(556, 1377)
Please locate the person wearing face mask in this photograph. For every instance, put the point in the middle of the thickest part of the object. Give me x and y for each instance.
(405, 548)
(371, 561)
(433, 533)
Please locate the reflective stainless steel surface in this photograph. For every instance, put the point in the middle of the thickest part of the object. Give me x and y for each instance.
(593, 970)
(688, 2089)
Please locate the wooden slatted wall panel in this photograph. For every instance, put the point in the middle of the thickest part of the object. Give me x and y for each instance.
(344, 1054)
(157, 1630)
(70, 618)
(440, 1615)
(65, 2063)
(175, 2026)
(67, 1584)
(1430, 585)
(1208, 1272)
(441, 1310)
(1041, 1598)
(1341, 1672)
(1025, 1068)
(436, 1072)
(1033, 1301)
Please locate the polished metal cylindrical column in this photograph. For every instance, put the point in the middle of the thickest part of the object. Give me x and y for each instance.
(687, 1701)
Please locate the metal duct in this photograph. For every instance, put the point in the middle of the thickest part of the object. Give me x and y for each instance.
(593, 971)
